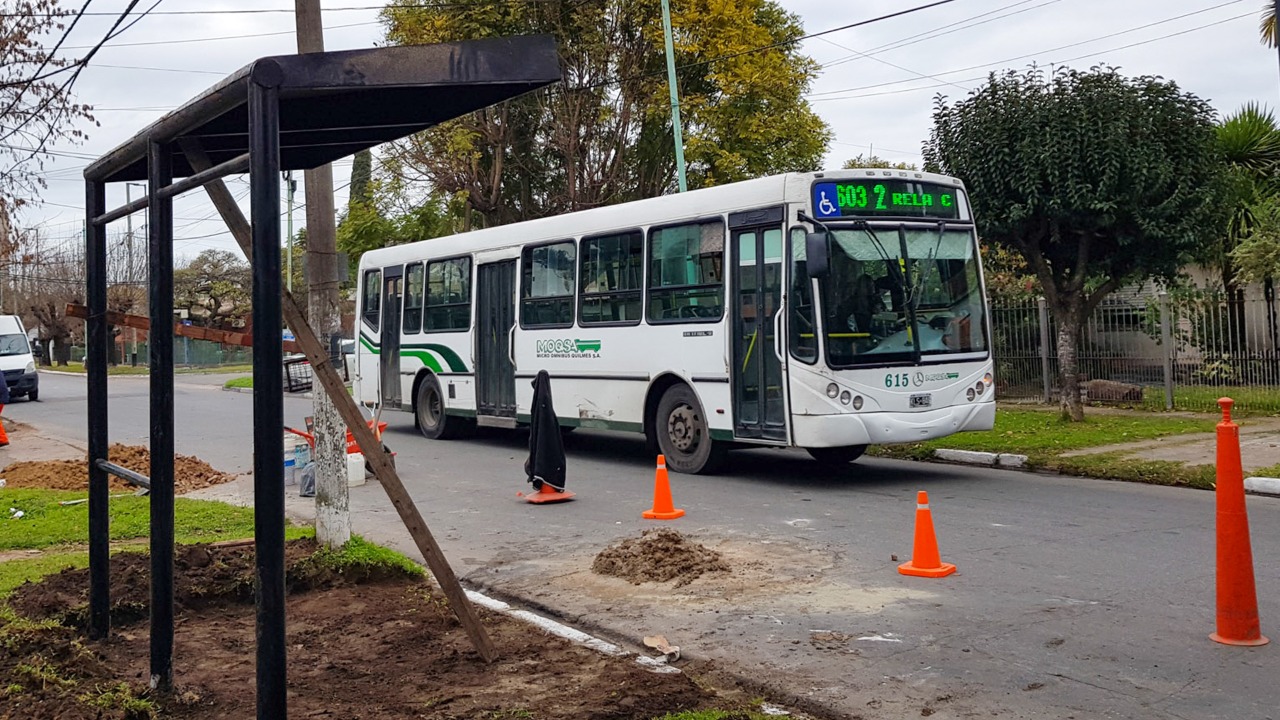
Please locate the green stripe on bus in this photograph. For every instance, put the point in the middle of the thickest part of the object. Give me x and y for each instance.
(423, 352)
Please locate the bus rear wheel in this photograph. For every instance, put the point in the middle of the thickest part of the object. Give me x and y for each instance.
(430, 415)
(683, 435)
(837, 456)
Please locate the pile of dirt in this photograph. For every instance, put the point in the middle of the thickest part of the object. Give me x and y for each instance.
(189, 473)
(658, 555)
(359, 647)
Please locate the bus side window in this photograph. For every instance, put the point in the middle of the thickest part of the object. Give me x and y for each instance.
(610, 279)
(803, 335)
(448, 298)
(547, 291)
(413, 299)
(371, 302)
(686, 273)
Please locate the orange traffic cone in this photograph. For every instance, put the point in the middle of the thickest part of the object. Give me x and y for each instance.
(663, 507)
(925, 560)
(546, 494)
(1237, 596)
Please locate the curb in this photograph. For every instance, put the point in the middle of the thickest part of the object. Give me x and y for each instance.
(1262, 486)
(974, 457)
(306, 395)
(564, 631)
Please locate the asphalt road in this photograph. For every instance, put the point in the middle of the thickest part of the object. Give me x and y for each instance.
(1075, 598)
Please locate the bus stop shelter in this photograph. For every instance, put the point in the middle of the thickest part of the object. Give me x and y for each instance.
(291, 112)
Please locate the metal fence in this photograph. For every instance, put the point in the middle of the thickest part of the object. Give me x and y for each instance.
(187, 352)
(1168, 350)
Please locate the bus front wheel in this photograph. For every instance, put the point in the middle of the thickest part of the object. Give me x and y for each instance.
(683, 435)
(836, 456)
(429, 412)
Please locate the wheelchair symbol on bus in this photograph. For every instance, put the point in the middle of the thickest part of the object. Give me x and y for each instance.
(826, 208)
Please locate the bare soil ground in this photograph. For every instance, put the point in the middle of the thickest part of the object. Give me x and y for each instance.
(190, 473)
(361, 645)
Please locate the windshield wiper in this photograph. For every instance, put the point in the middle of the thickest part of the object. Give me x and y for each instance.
(884, 254)
(913, 298)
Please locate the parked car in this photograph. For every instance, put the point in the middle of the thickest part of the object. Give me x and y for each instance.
(16, 359)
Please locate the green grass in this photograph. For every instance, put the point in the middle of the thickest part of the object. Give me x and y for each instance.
(240, 382)
(1043, 434)
(14, 573)
(46, 523)
(360, 553)
(1250, 399)
(713, 715)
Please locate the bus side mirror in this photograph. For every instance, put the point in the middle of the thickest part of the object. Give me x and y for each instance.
(817, 254)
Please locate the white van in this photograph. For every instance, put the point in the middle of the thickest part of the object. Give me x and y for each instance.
(16, 361)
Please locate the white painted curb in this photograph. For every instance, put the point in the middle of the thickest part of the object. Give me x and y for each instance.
(975, 457)
(968, 457)
(566, 632)
(1262, 485)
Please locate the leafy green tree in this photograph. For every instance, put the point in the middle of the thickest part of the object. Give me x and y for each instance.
(875, 161)
(1267, 24)
(1095, 179)
(215, 288)
(604, 134)
(1257, 257)
(1249, 141)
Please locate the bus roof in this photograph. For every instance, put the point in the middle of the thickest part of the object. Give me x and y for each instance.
(662, 210)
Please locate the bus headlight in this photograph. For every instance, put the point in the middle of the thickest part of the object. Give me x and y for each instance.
(986, 379)
(846, 397)
(970, 394)
(833, 390)
(979, 388)
(857, 402)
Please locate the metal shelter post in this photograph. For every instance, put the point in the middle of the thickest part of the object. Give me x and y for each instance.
(268, 391)
(95, 362)
(160, 350)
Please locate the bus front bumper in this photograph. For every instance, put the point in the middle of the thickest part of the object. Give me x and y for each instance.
(883, 428)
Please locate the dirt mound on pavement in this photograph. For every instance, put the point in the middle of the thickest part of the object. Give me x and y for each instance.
(347, 635)
(658, 555)
(189, 473)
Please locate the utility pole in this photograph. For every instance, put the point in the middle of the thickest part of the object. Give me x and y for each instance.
(291, 185)
(676, 132)
(133, 354)
(333, 507)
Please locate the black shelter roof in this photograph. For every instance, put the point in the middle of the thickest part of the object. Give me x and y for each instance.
(333, 104)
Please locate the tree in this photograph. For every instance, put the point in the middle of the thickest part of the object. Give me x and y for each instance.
(1267, 25)
(1097, 180)
(215, 289)
(44, 276)
(604, 135)
(875, 161)
(36, 106)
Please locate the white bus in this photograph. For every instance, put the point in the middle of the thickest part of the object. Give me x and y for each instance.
(826, 311)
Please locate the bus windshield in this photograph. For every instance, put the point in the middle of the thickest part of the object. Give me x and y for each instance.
(902, 294)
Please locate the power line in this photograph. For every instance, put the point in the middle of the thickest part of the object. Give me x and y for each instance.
(353, 8)
(817, 96)
(227, 37)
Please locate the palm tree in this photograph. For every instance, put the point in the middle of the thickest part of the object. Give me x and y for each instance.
(1249, 141)
(1267, 25)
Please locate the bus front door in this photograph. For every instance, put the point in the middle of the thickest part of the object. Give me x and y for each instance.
(759, 397)
(495, 320)
(389, 361)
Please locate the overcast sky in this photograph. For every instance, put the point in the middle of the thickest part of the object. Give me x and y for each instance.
(876, 87)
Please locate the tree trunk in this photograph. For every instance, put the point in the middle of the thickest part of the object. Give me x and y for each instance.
(1069, 322)
(62, 351)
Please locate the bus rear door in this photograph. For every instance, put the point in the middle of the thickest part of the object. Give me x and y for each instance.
(495, 322)
(389, 363)
(759, 382)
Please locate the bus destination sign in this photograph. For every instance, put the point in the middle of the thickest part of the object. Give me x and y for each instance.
(872, 197)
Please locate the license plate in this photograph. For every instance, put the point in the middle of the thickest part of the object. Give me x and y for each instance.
(919, 401)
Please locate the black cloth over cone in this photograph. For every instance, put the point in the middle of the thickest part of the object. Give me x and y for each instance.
(546, 446)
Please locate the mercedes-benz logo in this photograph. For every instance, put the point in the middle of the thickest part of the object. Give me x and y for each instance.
(919, 379)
